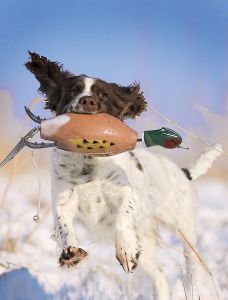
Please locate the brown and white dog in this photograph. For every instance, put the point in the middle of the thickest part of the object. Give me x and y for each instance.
(121, 197)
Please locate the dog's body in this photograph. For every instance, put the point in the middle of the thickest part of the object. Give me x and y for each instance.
(123, 197)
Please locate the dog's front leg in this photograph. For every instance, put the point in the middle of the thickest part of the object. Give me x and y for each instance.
(127, 240)
(65, 203)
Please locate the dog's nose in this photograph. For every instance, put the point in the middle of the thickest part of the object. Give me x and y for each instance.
(88, 103)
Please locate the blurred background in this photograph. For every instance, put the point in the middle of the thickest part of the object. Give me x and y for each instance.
(178, 51)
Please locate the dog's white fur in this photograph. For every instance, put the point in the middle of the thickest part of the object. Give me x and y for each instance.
(88, 82)
(120, 198)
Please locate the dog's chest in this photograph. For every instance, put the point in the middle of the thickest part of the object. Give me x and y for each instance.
(97, 210)
(98, 202)
(96, 185)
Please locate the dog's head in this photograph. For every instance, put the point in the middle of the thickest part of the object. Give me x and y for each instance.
(66, 92)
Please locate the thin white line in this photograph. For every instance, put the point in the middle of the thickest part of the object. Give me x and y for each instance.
(36, 218)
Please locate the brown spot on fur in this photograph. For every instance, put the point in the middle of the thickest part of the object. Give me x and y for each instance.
(63, 165)
(138, 164)
(101, 220)
(72, 182)
(110, 174)
(137, 254)
(113, 178)
(187, 173)
(87, 169)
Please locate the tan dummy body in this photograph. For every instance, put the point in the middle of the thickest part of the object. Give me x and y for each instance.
(99, 134)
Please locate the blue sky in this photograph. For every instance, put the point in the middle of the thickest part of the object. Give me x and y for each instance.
(176, 49)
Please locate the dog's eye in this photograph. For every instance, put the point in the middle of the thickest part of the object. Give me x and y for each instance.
(102, 95)
(73, 90)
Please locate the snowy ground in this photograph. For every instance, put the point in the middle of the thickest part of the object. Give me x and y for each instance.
(28, 257)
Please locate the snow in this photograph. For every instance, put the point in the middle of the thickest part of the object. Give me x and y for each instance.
(28, 256)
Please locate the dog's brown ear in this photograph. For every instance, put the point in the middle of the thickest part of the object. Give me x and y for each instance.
(48, 73)
(133, 103)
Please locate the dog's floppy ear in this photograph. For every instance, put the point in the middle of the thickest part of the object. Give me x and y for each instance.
(133, 99)
(48, 73)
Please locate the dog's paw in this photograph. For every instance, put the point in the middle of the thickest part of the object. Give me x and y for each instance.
(127, 251)
(71, 256)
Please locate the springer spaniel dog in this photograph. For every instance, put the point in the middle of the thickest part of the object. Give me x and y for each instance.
(124, 197)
